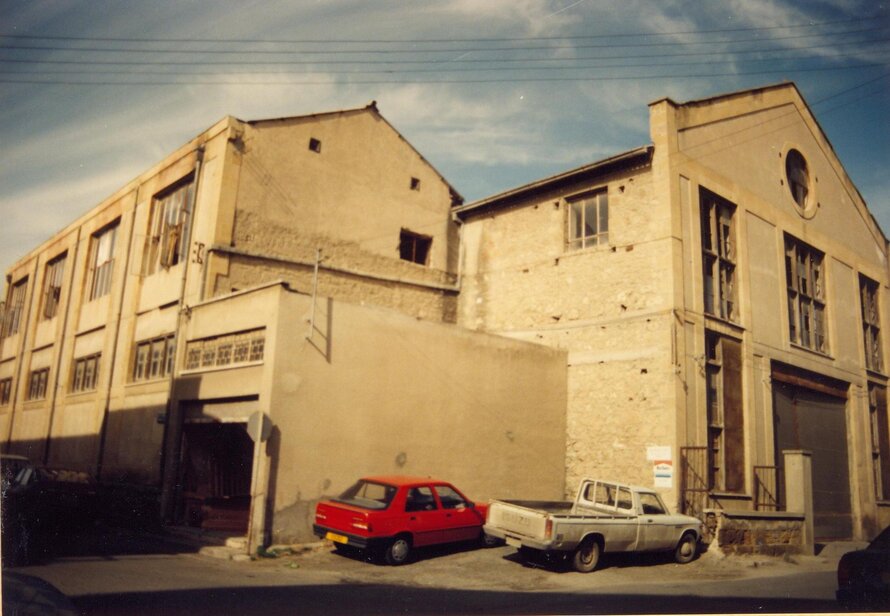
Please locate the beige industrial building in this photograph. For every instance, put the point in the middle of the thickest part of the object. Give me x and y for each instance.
(719, 295)
(677, 315)
(301, 271)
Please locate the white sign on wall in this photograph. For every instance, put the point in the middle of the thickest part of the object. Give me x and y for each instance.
(662, 466)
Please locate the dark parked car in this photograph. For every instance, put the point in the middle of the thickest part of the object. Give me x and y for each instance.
(863, 576)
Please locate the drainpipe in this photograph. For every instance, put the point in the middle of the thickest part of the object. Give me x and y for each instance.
(172, 441)
(103, 430)
(68, 304)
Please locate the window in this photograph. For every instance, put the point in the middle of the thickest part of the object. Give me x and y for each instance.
(102, 261)
(154, 359)
(723, 386)
(414, 247)
(806, 295)
(315, 145)
(798, 177)
(589, 221)
(52, 285)
(86, 373)
(871, 324)
(880, 440)
(651, 504)
(225, 350)
(415, 183)
(718, 255)
(15, 308)
(5, 391)
(37, 382)
(420, 499)
(167, 241)
(450, 498)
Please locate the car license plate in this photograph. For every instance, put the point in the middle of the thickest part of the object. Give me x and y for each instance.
(513, 541)
(336, 538)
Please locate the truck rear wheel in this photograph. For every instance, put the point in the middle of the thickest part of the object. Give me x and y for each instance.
(587, 556)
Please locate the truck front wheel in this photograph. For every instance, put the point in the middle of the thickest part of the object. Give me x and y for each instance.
(686, 549)
(587, 556)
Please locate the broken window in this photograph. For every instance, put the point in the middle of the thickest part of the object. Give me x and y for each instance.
(589, 221)
(37, 382)
(52, 285)
(871, 324)
(798, 177)
(5, 391)
(806, 295)
(167, 241)
(723, 384)
(86, 373)
(154, 358)
(718, 255)
(102, 261)
(414, 247)
(15, 308)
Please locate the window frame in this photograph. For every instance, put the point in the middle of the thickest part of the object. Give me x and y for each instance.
(724, 413)
(169, 222)
(38, 384)
(5, 391)
(577, 209)
(14, 308)
(101, 273)
(719, 255)
(85, 374)
(807, 301)
(53, 281)
(247, 347)
(153, 359)
(879, 431)
(871, 323)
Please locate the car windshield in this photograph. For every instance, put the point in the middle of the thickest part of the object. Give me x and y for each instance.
(882, 541)
(368, 495)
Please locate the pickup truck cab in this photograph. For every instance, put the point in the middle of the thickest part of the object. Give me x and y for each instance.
(393, 515)
(604, 517)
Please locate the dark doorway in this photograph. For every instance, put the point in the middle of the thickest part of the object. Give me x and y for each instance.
(816, 421)
(217, 461)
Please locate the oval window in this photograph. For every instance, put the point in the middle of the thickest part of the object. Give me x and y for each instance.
(798, 177)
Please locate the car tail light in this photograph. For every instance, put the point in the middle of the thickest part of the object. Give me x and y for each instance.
(361, 524)
(548, 528)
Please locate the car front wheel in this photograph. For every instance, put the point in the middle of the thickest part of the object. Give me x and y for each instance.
(398, 551)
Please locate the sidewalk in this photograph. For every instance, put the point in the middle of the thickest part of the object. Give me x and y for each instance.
(26, 595)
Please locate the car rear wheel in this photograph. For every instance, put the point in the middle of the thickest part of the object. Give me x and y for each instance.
(587, 556)
(398, 551)
(685, 550)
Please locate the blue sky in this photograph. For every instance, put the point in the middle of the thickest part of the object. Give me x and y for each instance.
(494, 93)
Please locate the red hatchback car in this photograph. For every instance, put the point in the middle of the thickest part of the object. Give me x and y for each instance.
(393, 515)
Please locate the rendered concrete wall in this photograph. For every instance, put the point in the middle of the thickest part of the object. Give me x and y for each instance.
(378, 392)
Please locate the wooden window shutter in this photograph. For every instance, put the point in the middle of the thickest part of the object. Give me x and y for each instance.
(733, 416)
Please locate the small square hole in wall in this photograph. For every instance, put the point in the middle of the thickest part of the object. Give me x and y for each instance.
(315, 145)
(415, 184)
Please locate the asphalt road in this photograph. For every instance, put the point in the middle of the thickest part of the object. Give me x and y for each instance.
(126, 575)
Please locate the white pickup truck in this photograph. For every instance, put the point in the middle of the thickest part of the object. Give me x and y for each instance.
(605, 517)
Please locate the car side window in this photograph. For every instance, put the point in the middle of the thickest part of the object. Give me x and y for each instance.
(651, 505)
(450, 498)
(625, 501)
(420, 499)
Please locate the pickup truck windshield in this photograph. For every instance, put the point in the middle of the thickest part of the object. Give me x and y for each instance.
(368, 495)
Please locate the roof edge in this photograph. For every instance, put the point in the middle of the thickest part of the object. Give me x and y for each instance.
(642, 152)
